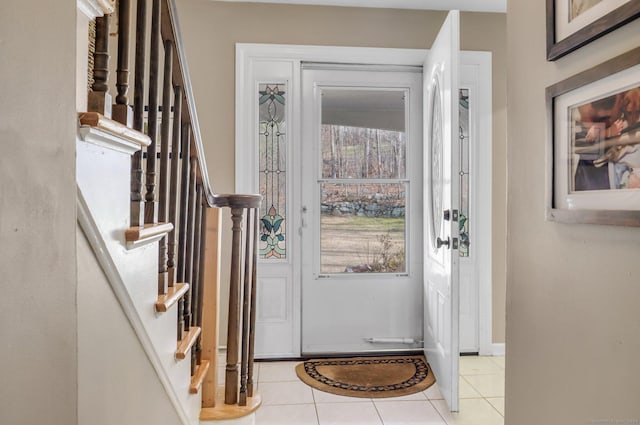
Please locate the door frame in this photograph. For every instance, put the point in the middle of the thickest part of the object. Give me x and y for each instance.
(250, 58)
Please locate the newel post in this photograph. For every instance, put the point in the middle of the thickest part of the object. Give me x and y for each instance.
(231, 376)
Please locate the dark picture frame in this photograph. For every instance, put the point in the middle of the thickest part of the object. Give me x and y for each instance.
(557, 48)
(570, 110)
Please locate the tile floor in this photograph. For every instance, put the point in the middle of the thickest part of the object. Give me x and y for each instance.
(288, 401)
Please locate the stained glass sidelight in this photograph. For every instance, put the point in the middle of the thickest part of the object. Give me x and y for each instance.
(464, 173)
(272, 170)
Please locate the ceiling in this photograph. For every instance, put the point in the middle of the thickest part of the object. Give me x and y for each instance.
(465, 5)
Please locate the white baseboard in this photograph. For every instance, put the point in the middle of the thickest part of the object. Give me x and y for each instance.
(498, 349)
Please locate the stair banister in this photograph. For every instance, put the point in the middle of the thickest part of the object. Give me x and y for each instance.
(178, 193)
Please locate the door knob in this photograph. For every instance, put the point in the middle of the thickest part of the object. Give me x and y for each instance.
(440, 242)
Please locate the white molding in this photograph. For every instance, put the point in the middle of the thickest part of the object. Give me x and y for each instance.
(498, 349)
(107, 140)
(96, 8)
(340, 54)
(94, 237)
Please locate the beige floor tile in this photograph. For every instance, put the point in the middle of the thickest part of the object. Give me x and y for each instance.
(408, 413)
(473, 411)
(411, 397)
(297, 414)
(323, 397)
(478, 365)
(285, 393)
(488, 385)
(278, 371)
(499, 360)
(433, 392)
(466, 390)
(498, 403)
(348, 414)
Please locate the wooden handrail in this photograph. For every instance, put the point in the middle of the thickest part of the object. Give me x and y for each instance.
(235, 201)
(178, 192)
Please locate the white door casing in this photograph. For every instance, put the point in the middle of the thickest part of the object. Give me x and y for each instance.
(441, 285)
(475, 269)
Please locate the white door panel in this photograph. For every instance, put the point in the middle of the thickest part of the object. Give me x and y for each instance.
(441, 208)
(355, 311)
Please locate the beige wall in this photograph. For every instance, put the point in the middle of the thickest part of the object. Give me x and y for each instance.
(211, 29)
(572, 294)
(38, 360)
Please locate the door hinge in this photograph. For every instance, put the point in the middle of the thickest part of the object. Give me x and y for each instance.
(454, 243)
(455, 215)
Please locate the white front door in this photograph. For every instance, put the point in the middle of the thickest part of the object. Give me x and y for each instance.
(269, 96)
(361, 209)
(441, 236)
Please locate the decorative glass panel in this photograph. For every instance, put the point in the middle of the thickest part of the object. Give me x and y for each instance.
(273, 171)
(362, 227)
(464, 173)
(437, 161)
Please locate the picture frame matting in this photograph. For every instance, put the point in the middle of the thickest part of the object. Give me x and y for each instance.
(566, 201)
(611, 19)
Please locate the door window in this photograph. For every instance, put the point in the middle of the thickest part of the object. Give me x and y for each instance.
(363, 186)
(463, 220)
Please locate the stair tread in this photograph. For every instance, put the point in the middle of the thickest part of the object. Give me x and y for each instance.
(172, 296)
(198, 378)
(148, 231)
(229, 411)
(188, 339)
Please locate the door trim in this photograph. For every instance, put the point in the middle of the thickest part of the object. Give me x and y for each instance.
(250, 55)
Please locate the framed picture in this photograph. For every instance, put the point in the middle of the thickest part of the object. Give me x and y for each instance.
(593, 158)
(573, 23)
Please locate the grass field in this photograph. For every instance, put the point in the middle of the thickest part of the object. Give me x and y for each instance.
(355, 241)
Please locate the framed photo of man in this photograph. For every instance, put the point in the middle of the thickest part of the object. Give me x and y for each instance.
(594, 149)
(573, 23)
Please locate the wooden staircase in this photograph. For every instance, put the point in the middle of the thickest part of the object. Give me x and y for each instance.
(145, 202)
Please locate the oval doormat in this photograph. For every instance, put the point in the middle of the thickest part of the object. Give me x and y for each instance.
(368, 377)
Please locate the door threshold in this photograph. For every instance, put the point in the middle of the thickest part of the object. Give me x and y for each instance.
(309, 356)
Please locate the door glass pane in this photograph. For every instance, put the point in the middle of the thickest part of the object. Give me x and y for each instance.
(362, 228)
(273, 170)
(363, 134)
(464, 173)
(363, 186)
